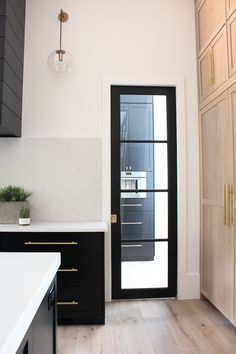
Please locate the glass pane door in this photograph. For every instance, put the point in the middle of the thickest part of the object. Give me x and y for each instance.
(145, 190)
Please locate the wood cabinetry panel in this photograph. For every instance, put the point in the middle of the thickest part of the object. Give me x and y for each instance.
(231, 44)
(220, 62)
(216, 134)
(205, 87)
(210, 19)
(216, 69)
(231, 6)
(217, 279)
(232, 112)
(213, 65)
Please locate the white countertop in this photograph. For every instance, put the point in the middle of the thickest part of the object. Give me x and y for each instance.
(24, 280)
(57, 226)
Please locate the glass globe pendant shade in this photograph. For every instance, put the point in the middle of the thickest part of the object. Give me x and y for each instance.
(59, 61)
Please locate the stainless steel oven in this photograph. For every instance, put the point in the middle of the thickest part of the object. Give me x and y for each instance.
(133, 180)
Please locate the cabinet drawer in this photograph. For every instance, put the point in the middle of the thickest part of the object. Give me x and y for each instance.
(138, 251)
(137, 204)
(82, 269)
(51, 242)
(137, 223)
(79, 298)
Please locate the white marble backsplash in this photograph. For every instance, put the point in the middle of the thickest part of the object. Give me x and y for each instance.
(64, 174)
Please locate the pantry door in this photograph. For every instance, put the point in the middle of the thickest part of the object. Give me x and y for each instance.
(143, 192)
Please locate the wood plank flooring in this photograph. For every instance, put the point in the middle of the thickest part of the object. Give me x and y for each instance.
(153, 327)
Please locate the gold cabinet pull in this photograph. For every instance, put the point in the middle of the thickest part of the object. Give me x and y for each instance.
(132, 223)
(226, 204)
(68, 303)
(31, 243)
(212, 81)
(231, 205)
(68, 270)
(210, 68)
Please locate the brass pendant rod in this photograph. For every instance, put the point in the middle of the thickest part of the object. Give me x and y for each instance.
(61, 15)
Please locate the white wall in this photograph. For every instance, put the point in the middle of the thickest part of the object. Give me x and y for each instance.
(135, 41)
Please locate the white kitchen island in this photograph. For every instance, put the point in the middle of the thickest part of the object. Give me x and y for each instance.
(25, 279)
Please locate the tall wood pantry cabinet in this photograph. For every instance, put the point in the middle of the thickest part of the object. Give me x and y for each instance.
(216, 50)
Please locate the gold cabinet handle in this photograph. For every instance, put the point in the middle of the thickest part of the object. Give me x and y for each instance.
(226, 204)
(68, 270)
(30, 243)
(68, 303)
(210, 68)
(132, 223)
(231, 205)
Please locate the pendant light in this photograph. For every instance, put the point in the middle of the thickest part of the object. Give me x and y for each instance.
(59, 60)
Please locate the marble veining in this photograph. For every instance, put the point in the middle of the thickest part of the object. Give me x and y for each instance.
(64, 174)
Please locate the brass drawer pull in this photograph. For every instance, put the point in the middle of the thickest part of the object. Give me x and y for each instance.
(68, 270)
(132, 223)
(68, 303)
(30, 243)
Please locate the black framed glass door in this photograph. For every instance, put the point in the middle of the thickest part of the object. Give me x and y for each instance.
(143, 192)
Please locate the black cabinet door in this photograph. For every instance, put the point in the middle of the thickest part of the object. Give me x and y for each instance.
(41, 335)
(43, 327)
(136, 156)
(136, 121)
(136, 125)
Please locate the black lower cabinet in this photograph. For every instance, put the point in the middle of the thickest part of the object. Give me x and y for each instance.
(80, 279)
(41, 336)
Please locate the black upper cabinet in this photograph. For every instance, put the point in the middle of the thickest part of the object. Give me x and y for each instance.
(12, 27)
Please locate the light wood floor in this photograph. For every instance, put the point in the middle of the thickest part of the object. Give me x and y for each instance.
(151, 327)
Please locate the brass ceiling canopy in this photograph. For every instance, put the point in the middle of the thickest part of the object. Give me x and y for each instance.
(63, 16)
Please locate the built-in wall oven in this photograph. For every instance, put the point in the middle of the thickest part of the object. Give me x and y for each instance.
(135, 181)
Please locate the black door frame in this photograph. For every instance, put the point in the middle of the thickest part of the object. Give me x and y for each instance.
(171, 291)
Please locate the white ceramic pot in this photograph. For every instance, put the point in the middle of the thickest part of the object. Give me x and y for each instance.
(24, 221)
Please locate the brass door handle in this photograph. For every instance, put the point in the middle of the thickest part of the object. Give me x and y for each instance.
(68, 303)
(68, 270)
(31, 243)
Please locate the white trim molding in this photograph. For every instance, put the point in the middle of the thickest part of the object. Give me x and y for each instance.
(188, 282)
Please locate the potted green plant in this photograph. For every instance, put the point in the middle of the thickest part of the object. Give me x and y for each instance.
(24, 218)
(12, 199)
